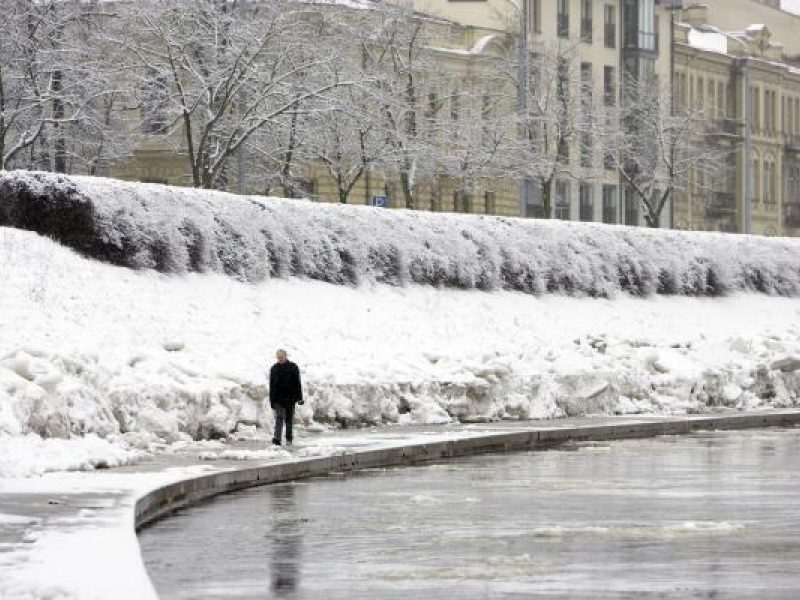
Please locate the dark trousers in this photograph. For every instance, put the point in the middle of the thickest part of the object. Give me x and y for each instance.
(283, 414)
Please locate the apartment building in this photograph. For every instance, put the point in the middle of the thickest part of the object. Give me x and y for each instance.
(605, 40)
(744, 83)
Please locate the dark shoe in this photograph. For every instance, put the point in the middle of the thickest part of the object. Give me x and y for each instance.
(288, 442)
(276, 441)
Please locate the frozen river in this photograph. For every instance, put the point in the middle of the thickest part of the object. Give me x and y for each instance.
(710, 515)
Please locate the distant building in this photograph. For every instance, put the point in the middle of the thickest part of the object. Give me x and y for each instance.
(759, 192)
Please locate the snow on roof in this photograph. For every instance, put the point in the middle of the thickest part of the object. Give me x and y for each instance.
(708, 40)
(791, 6)
(477, 48)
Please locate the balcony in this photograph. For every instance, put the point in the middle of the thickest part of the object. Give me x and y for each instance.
(725, 129)
(722, 205)
(793, 143)
(791, 215)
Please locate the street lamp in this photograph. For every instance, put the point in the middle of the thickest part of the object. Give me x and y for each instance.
(747, 106)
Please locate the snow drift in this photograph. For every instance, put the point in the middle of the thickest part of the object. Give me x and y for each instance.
(175, 230)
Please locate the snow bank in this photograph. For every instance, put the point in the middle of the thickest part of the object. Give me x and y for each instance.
(140, 359)
(175, 230)
(30, 455)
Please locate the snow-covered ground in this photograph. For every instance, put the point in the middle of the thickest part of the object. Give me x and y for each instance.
(124, 361)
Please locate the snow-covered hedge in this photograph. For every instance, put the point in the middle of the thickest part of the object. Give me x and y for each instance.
(176, 230)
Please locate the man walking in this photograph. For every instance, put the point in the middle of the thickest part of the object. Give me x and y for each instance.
(285, 390)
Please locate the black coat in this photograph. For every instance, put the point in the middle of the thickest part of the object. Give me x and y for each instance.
(284, 384)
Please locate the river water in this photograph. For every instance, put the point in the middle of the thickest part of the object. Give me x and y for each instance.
(709, 515)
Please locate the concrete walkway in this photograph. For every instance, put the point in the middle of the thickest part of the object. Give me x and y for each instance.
(71, 535)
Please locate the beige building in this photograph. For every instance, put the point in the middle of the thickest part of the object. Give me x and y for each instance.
(759, 190)
(605, 39)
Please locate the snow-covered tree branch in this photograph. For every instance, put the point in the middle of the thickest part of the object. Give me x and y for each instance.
(658, 152)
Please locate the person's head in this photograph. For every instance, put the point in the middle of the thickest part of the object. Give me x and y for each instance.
(281, 355)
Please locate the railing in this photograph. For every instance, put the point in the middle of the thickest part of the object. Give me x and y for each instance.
(721, 205)
(725, 127)
(637, 39)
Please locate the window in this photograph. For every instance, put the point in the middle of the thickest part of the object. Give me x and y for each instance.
(609, 203)
(755, 105)
(756, 183)
(462, 202)
(490, 203)
(535, 24)
(638, 26)
(722, 103)
(534, 207)
(770, 186)
(680, 90)
(610, 25)
(712, 98)
(562, 200)
(563, 18)
(631, 208)
(586, 202)
(586, 149)
(586, 21)
(796, 127)
(770, 105)
(586, 115)
(700, 101)
(609, 86)
(563, 149)
(794, 186)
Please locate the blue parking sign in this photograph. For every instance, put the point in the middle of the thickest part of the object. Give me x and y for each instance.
(380, 201)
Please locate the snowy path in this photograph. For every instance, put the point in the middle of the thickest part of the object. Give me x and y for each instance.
(70, 535)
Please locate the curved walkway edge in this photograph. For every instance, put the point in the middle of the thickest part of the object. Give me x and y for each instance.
(164, 500)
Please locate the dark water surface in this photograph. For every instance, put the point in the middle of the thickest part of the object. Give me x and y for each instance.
(710, 515)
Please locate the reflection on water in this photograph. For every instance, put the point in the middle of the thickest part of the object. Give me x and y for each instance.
(285, 540)
(712, 515)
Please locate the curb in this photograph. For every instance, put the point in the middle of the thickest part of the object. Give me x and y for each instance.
(162, 501)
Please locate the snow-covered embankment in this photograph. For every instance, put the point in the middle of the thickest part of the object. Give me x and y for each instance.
(140, 358)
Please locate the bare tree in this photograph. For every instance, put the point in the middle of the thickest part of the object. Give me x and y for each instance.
(657, 153)
(216, 72)
(47, 86)
(395, 52)
(474, 143)
(560, 114)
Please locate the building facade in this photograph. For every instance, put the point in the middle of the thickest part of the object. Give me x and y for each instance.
(745, 85)
(608, 41)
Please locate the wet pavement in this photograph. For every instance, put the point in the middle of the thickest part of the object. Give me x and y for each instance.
(707, 515)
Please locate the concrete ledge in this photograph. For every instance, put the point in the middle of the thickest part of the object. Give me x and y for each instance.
(162, 501)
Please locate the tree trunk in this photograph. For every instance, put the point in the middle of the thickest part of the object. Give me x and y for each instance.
(408, 191)
(547, 198)
(60, 157)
